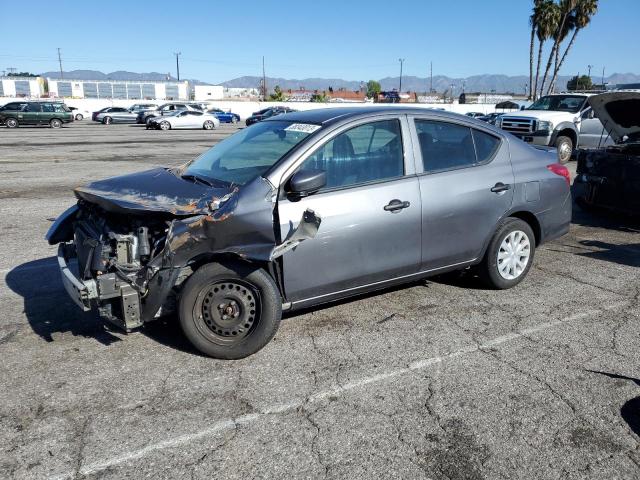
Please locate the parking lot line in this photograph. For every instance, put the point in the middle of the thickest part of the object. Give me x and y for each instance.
(231, 423)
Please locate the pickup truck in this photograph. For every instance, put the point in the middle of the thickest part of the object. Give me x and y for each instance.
(565, 121)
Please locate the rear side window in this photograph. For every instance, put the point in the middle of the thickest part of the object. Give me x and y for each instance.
(367, 153)
(47, 107)
(445, 146)
(33, 107)
(448, 146)
(486, 145)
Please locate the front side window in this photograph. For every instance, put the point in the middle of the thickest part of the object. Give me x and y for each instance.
(248, 154)
(367, 153)
(33, 107)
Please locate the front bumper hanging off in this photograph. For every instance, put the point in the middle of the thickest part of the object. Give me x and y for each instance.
(105, 291)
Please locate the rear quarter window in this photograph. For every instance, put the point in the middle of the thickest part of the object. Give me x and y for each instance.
(486, 145)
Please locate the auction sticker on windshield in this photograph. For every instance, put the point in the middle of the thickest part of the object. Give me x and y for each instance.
(302, 127)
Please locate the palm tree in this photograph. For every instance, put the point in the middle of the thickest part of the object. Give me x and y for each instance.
(585, 9)
(566, 8)
(547, 17)
(533, 21)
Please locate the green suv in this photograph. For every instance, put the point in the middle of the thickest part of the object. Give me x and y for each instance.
(35, 113)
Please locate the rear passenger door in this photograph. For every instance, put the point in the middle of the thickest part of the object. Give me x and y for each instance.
(466, 185)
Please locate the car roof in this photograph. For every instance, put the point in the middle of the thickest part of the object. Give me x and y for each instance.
(327, 116)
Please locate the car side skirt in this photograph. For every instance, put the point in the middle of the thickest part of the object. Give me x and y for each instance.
(350, 292)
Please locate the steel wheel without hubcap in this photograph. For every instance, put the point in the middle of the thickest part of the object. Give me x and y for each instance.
(165, 125)
(513, 255)
(227, 311)
(55, 123)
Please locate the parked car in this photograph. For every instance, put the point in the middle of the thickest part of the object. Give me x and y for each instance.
(490, 118)
(609, 176)
(109, 115)
(145, 115)
(474, 114)
(225, 117)
(79, 114)
(266, 113)
(565, 121)
(184, 119)
(53, 114)
(264, 221)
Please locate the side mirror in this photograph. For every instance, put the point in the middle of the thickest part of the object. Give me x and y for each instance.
(307, 182)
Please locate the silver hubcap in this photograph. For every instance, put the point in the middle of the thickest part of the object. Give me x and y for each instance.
(513, 255)
(164, 126)
(564, 151)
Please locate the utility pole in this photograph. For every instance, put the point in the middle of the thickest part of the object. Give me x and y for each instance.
(430, 77)
(60, 63)
(264, 82)
(177, 54)
(603, 79)
(401, 60)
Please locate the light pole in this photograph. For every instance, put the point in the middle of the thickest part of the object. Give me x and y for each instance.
(401, 60)
(452, 87)
(589, 67)
(177, 54)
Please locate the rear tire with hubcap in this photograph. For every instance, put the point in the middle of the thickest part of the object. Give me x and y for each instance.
(79, 117)
(509, 255)
(11, 123)
(208, 125)
(565, 149)
(229, 311)
(55, 123)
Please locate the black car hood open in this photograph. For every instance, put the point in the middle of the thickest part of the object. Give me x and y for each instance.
(157, 190)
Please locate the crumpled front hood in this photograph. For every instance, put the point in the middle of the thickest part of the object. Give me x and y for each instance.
(619, 112)
(156, 190)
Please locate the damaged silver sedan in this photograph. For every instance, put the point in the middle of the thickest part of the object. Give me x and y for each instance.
(304, 209)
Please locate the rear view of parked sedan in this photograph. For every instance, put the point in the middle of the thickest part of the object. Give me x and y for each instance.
(184, 119)
(307, 208)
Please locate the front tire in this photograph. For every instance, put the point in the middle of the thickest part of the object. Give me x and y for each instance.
(11, 123)
(164, 125)
(565, 149)
(79, 117)
(208, 125)
(509, 255)
(55, 123)
(229, 311)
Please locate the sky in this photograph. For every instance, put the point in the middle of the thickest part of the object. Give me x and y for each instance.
(353, 40)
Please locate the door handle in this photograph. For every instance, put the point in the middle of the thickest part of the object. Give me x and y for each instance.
(396, 205)
(500, 187)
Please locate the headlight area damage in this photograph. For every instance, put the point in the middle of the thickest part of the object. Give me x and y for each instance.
(126, 251)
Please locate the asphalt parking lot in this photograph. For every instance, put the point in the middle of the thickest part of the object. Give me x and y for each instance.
(440, 379)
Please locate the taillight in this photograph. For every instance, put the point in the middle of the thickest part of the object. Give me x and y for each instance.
(560, 170)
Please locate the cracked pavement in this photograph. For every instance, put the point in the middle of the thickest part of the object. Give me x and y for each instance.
(438, 379)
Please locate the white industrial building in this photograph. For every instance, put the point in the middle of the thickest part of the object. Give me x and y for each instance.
(24, 87)
(113, 89)
(208, 92)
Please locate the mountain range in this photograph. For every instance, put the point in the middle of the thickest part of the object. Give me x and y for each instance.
(475, 83)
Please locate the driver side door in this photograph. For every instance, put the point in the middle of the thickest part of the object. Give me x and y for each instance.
(370, 209)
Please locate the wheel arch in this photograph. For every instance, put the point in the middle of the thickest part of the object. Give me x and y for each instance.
(526, 216)
(565, 129)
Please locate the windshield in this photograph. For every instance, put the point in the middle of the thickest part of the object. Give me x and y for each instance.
(559, 103)
(249, 153)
